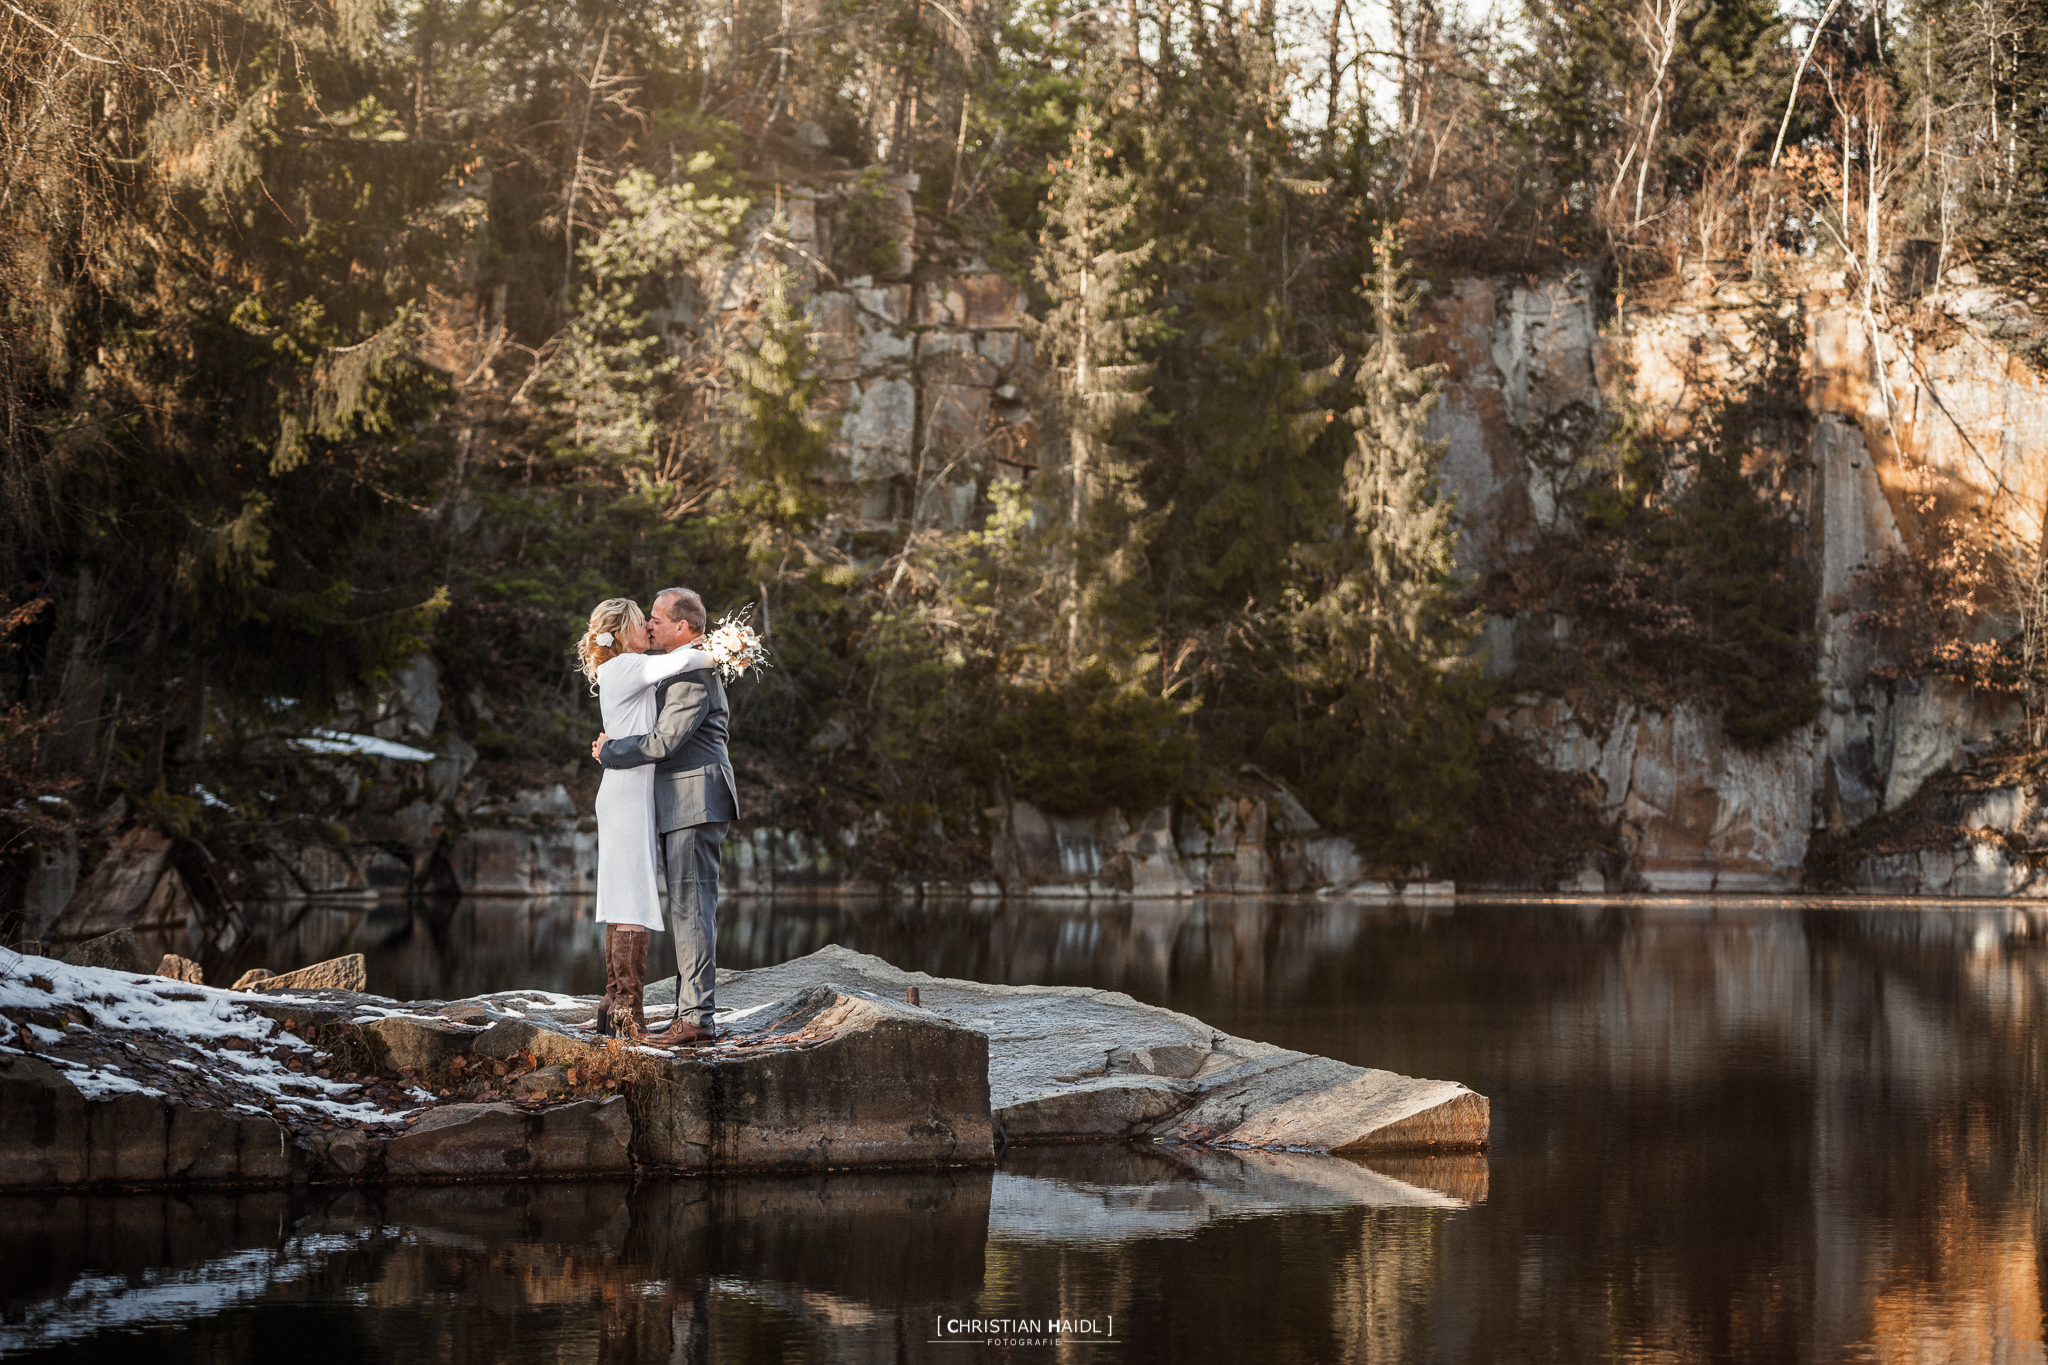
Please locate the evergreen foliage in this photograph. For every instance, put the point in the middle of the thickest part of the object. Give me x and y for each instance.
(211, 283)
(1087, 339)
(317, 319)
(1388, 743)
(1384, 586)
(781, 445)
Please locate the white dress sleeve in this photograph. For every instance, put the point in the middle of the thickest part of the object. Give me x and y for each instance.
(661, 667)
(636, 672)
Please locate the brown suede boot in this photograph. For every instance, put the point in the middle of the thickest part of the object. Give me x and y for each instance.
(607, 1004)
(628, 1012)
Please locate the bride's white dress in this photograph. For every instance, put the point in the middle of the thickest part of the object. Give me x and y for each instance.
(628, 852)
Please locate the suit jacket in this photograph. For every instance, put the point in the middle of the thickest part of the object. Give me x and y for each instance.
(693, 782)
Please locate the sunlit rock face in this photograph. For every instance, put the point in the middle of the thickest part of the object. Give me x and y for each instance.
(1939, 420)
(930, 379)
(1068, 1063)
(1700, 813)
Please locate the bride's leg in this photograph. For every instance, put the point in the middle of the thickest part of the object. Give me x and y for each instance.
(629, 1010)
(607, 1004)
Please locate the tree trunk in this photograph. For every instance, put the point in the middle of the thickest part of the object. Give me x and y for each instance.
(69, 746)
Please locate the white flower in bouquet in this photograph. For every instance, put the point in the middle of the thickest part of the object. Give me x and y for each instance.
(734, 645)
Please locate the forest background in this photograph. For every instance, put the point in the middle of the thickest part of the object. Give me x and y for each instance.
(333, 332)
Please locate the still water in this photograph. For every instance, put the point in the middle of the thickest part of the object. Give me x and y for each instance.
(1721, 1131)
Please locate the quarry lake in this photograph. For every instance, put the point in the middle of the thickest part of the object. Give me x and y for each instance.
(1721, 1130)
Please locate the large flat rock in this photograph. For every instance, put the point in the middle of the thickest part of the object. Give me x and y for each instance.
(866, 1083)
(114, 1078)
(1070, 1063)
(111, 1078)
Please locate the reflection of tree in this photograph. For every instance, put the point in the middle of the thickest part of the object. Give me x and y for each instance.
(1760, 1135)
(1718, 1132)
(832, 1267)
(1938, 1085)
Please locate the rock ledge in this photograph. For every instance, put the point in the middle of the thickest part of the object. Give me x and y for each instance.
(118, 1079)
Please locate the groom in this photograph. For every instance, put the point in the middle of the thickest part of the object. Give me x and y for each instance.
(695, 800)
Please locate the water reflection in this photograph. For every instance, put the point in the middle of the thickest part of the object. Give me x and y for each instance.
(848, 1267)
(1721, 1131)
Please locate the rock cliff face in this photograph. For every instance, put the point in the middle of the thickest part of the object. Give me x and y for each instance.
(1929, 418)
(1922, 422)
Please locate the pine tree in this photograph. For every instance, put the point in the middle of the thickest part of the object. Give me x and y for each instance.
(612, 367)
(1387, 583)
(780, 443)
(1087, 340)
(209, 375)
(1248, 465)
(1388, 748)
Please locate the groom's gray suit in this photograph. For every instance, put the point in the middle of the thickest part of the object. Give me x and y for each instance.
(695, 799)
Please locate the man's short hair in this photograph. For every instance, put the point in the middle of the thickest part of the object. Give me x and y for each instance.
(686, 606)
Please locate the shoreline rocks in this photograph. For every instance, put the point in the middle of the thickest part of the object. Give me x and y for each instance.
(114, 1079)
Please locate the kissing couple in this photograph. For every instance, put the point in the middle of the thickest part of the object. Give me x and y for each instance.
(664, 805)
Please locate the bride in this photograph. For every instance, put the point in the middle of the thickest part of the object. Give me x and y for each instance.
(613, 656)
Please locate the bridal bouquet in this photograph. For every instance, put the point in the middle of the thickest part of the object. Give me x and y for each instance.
(734, 645)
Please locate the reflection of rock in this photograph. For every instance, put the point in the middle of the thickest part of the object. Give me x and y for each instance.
(841, 1252)
(1069, 1062)
(1464, 1178)
(1109, 1194)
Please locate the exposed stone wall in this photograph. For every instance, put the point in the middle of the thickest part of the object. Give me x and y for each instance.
(928, 374)
(1949, 422)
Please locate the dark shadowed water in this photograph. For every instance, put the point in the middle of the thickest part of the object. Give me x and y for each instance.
(1721, 1131)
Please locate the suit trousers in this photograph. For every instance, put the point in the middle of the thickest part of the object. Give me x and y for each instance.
(689, 859)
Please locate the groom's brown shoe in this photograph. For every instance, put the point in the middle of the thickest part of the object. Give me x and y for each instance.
(685, 1033)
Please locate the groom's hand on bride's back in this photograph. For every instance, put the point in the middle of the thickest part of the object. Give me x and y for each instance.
(597, 744)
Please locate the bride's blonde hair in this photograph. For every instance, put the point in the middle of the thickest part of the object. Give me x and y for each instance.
(616, 616)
